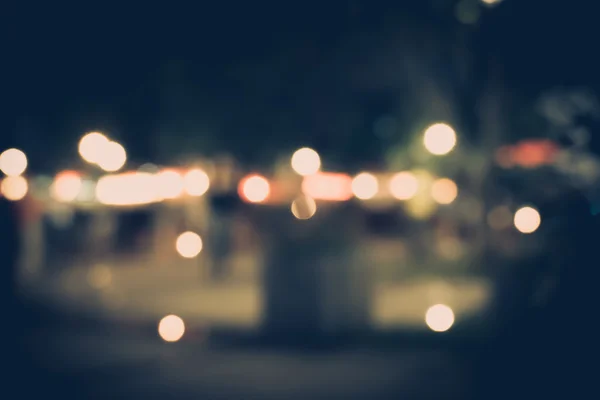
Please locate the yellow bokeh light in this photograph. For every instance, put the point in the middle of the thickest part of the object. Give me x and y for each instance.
(14, 188)
(13, 162)
(404, 185)
(113, 157)
(91, 147)
(365, 186)
(189, 244)
(100, 276)
(196, 182)
(306, 161)
(421, 206)
(439, 318)
(527, 220)
(255, 189)
(304, 207)
(439, 139)
(170, 184)
(444, 191)
(66, 186)
(171, 328)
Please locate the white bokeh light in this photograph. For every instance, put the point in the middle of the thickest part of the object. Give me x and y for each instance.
(14, 188)
(255, 189)
(439, 139)
(439, 318)
(444, 191)
(13, 162)
(306, 161)
(113, 157)
(365, 186)
(91, 147)
(66, 186)
(171, 328)
(527, 220)
(404, 185)
(196, 182)
(189, 244)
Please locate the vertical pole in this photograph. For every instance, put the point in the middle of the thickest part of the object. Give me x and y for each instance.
(315, 282)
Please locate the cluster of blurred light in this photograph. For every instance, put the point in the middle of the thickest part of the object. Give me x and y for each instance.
(306, 161)
(439, 139)
(170, 184)
(527, 220)
(171, 328)
(439, 318)
(304, 207)
(254, 189)
(128, 189)
(14, 188)
(444, 191)
(13, 162)
(196, 182)
(188, 244)
(66, 186)
(328, 186)
(365, 186)
(96, 148)
(404, 185)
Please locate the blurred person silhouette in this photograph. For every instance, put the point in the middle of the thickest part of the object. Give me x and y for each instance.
(545, 341)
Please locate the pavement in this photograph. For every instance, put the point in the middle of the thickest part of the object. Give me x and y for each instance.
(112, 362)
(138, 290)
(104, 342)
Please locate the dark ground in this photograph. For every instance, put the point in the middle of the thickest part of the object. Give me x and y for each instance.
(73, 357)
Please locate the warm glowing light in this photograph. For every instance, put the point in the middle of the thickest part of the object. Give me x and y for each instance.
(444, 191)
(439, 318)
(66, 186)
(113, 157)
(100, 276)
(13, 162)
(491, 2)
(128, 189)
(170, 184)
(14, 188)
(189, 244)
(306, 161)
(304, 207)
(365, 186)
(255, 189)
(171, 328)
(328, 186)
(527, 220)
(92, 147)
(439, 139)
(196, 182)
(404, 185)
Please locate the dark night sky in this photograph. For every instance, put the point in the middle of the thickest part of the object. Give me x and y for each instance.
(120, 69)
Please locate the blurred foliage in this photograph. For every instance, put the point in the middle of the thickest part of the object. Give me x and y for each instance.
(356, 82)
